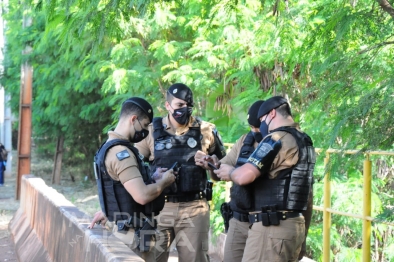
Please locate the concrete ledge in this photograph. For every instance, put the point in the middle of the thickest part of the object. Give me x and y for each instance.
(216, 246)
(48, 227)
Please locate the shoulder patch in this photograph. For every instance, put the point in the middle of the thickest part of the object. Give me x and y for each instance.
(263, 150)
(122, 155)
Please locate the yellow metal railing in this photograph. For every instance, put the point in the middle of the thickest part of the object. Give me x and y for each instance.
(366, 216)
(327, 211)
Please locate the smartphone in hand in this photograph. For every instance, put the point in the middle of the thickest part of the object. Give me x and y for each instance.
(175, 167)
(212, 166)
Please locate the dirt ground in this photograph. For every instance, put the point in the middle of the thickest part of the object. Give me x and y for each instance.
(8, 206)
(82, 194)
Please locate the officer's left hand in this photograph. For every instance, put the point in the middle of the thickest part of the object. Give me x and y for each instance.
(98, 218)
(224, 172)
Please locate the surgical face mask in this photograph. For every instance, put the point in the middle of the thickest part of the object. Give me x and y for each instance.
(182, 115)
(257, 136)
(139, 135)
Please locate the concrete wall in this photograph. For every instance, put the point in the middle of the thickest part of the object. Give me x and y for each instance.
(48, 227)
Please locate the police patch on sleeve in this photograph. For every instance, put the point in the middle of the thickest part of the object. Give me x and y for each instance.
(122, 155)
(265, 153)
(263, 150)
(257, 157)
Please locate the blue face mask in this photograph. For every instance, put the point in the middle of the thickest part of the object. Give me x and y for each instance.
(264, 127)
(257, 136)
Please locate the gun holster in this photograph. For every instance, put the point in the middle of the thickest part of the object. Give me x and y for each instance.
(123, 226)
(208, 190)
(227, 214)
(146, 234)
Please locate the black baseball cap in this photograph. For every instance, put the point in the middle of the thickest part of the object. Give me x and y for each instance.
(143, 105)
(183, 92)
(271, 103)
(253, 120)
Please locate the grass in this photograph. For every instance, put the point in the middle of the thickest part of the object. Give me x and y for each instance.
(83, 194)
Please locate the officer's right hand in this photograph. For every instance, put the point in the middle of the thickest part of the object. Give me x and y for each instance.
(201, 159)
(98, 218)
(168, 178)
(158, 173)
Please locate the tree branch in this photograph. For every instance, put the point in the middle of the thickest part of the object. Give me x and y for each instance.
(386, 7)
(375, 46)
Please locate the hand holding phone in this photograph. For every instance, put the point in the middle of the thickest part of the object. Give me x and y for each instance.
(175, 167)
(212, 166)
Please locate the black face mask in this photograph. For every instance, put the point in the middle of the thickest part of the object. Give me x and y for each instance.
(257, 136)
(139, 135)
(182, 115)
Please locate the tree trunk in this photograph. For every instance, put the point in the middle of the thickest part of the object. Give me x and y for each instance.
(57, 166)
(386, 7)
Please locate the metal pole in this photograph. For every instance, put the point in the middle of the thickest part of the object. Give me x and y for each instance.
(326, 213)
(367, 210)
(25, 112)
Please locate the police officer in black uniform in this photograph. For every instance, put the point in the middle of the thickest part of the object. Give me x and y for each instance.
(129, 198)
(175, 139)
(280, 173)
(235, 213)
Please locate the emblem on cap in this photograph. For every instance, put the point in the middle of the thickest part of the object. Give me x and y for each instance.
(149, 111)
(247, 117)
(175, 90)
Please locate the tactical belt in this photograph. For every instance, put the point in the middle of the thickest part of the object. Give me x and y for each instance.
(258, 217)
(134, 223)
(187, 198)
(242, 217)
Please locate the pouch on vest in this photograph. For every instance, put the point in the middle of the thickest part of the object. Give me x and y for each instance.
(242, 196)
(191, 179)
(155, 206)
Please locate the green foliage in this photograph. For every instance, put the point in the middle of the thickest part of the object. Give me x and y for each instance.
(218, 197)
(331, 59)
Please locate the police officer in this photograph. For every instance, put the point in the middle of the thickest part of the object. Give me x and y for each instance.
(3, 163)
(128, 198)
(240, 203)
(176, 138)
(280, 174)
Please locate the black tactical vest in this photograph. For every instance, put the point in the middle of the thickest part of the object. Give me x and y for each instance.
(290, 189)
(115, 201)
(241, 196)
(169, 149)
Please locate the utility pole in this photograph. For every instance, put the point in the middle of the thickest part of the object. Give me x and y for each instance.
(25, 113)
